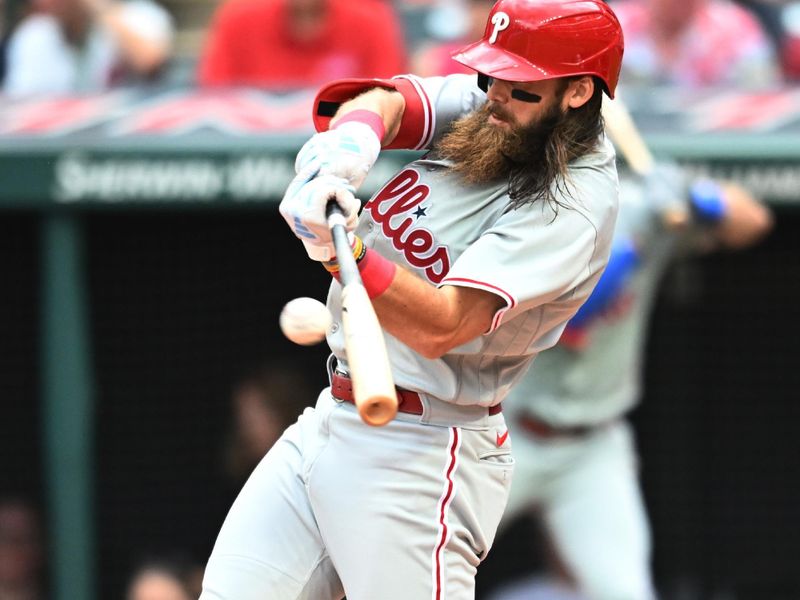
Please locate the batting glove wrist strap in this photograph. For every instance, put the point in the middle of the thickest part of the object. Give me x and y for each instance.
(376, 271)
(359, 250)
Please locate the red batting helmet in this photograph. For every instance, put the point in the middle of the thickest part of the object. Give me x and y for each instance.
(532, 40)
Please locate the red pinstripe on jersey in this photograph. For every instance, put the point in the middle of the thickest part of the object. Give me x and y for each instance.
(446, 498)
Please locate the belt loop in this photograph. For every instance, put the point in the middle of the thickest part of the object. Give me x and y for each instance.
(331, 365)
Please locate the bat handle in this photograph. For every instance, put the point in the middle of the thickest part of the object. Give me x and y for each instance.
(348, 271)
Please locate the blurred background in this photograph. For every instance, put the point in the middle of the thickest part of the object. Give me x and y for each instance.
(143, 149)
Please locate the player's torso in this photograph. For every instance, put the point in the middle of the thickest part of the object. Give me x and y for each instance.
(431, 223)
(423, 219)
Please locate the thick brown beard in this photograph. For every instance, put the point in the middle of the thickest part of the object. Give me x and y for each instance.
(482, 153)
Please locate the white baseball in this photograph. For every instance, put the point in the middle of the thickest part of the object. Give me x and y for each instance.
(305, 321)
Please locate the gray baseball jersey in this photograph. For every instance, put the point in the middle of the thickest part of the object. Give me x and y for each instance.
(543, 264)
(410, 509)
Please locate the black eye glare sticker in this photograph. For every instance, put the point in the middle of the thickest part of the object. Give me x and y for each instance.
(524, 96)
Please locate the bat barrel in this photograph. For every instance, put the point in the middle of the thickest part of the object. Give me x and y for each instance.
(373, 385)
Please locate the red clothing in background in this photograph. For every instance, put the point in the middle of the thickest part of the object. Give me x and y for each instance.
(248, 44)
(437, 59)
(724, 44)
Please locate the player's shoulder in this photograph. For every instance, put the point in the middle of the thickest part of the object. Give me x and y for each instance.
(598, 166)
(603, 153)
(451, 95)
(592, 185)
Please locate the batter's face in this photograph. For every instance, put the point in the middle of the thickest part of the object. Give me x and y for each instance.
(512, 129)
(514, 104)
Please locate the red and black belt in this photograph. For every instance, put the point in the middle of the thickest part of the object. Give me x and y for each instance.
(407, 401)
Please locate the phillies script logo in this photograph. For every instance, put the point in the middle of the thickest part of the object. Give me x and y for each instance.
(399, 197)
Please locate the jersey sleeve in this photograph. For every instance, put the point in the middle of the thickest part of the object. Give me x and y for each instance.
(432, 103)
(537, 255)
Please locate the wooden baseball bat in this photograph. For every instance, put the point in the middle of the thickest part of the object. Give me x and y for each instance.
(373, 385)
(628, 141)
(626, 137)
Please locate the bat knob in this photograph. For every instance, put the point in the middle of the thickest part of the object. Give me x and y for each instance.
(378, 411)
(332, 208)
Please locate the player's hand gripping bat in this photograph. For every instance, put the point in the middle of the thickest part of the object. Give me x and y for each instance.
(373, 386)
(628, 141)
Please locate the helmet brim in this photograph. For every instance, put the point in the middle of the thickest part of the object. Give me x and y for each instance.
(500, 63)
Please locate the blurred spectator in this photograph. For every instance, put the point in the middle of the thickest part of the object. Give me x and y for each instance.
(435, 58)
(695, 43)
(72, 46)
(169, 578)
(790, 47)
(21, 552)
(3, 39)
(781, 20)
(264, 402)
(9, 15)
(285, 44)
(769, 13)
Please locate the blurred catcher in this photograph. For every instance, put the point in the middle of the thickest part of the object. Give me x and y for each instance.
(84, 46)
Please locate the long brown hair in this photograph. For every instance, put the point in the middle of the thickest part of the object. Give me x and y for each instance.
(574, 135)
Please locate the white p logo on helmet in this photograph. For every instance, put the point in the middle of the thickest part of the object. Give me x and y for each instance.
(501, 21)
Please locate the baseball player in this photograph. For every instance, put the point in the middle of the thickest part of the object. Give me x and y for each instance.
(475, 257)
(576, 462)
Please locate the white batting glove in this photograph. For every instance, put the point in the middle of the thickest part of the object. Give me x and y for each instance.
(304, 206)
(349, 151)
